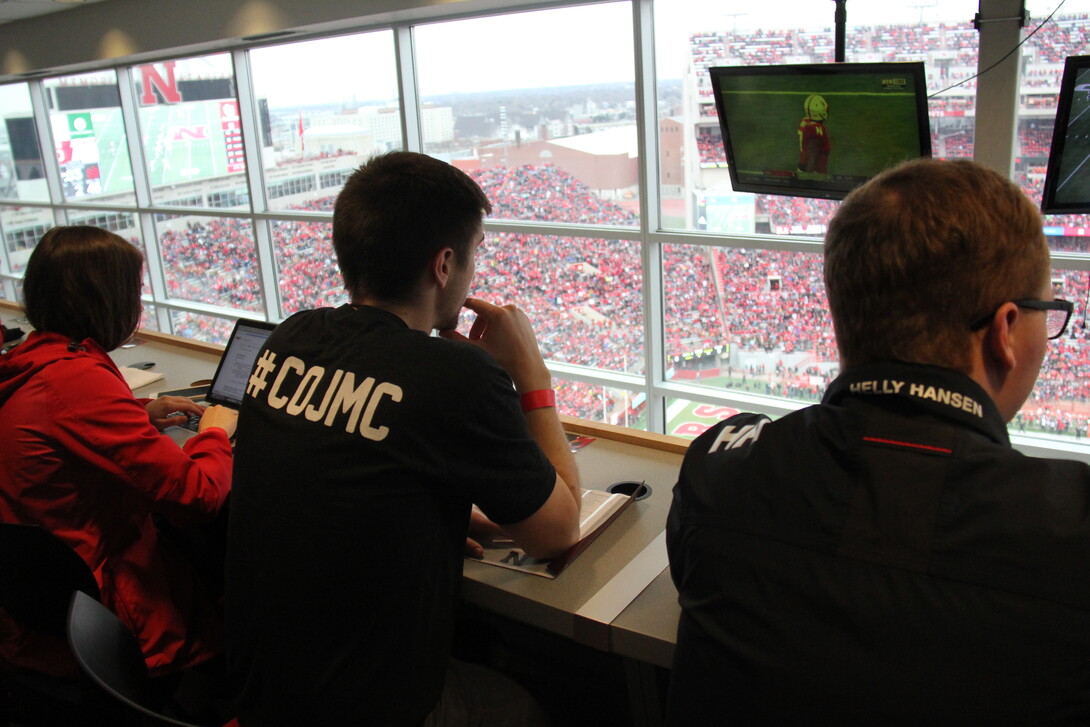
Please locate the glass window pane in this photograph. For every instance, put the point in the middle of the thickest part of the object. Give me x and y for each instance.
(316, 127)
(210, 260)
(89, 138)
(1058, 405)
(23, 227)
(607, 404)
(582, 295)
(191, 132)
(306, 266)
(16, 288)
(569, 112)
(755, 321)
(699, 34)
(22, 171)
(1060, 402)
(148, 319)
(210, 329)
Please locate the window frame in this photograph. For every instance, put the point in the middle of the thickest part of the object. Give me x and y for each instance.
(997, 92)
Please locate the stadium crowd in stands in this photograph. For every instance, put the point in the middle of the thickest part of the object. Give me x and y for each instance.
(584, 296)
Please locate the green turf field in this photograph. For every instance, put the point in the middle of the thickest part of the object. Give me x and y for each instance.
(869, 129)
(184, 143)
(113, 154)
(1073, 181)
(690, 419)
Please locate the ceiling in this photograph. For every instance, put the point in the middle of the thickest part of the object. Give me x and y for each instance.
(19, 9)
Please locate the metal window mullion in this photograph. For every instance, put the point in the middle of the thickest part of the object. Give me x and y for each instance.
(142, 189)
(412, 136)
(46, 147)
(251, 144)
(650, 212)
(997, 92)
(5, 258)
(647, 125)
(654, 334)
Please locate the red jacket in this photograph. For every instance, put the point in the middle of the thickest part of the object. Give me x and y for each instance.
(82, 459)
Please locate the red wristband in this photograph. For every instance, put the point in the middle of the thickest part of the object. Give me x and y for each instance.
(537, 399)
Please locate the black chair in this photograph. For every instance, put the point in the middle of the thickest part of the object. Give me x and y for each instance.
(109, 654)
(38, 573)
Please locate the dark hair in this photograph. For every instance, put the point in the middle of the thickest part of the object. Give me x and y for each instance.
(394, 214)
(84, 282)
(917, 253)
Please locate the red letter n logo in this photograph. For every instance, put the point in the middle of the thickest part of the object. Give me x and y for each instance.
(168, 89)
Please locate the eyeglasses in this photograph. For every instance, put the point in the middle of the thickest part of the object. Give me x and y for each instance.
(1059, 313)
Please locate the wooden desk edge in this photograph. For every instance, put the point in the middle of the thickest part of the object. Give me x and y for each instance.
(650, 440)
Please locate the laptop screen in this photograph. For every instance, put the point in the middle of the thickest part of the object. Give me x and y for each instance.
(229, 383)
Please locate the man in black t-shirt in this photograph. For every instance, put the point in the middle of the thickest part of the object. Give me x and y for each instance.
(363, 443)
(886, 557)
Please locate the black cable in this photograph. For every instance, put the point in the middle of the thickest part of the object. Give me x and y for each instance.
(840, 24)
(978, 74)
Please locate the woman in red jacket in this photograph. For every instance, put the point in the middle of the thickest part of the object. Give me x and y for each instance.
(87, 461)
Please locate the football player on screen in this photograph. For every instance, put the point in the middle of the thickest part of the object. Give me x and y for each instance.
(814, 143)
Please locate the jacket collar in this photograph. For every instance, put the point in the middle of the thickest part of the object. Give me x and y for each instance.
(942, 392)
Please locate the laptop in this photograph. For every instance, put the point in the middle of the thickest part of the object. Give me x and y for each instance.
(233, 372)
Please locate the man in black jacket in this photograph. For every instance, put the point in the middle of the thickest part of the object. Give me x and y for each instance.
(366, 440)
(886, 557)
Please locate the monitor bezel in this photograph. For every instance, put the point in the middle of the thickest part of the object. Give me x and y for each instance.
(812, 189)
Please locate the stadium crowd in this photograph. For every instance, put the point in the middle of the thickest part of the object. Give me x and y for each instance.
(584, 295)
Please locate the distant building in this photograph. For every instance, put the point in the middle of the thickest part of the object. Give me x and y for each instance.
(607, 161)
(384, 123)
(671, 146)
(437, 123)
(345, 138)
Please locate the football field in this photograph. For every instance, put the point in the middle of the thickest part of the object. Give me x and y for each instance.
(691, 419)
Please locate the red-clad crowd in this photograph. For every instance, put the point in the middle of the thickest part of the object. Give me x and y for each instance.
(585, 295)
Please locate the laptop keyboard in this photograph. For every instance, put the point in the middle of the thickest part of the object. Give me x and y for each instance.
(192, 421)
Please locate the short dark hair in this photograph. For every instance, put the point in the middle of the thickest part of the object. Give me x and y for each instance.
(917, 253)
(84, 282)
(394, 214)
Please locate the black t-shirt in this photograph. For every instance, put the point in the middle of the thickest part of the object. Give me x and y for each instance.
(883, 558)
(361, 446)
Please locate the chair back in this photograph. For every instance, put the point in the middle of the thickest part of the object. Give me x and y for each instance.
(38, 573)
(109, 654)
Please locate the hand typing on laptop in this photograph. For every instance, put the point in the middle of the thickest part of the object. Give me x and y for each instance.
(219, 416)
(169, 411)
(179, 411)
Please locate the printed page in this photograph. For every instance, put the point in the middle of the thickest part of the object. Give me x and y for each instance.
(596, 511)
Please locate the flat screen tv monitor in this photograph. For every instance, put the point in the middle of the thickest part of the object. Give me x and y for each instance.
(1067, 181)
(819, 130)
